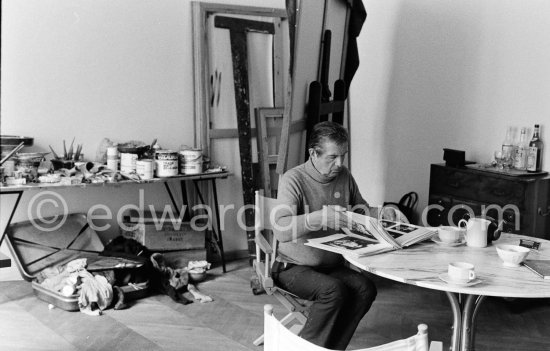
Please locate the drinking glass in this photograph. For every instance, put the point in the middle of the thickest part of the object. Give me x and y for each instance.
(499, 159)
(507, 161)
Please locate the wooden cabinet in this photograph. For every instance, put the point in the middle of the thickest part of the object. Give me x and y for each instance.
(521, 201)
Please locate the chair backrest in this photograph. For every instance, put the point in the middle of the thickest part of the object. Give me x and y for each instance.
(278, 338)
(269, 127)
(265, 207)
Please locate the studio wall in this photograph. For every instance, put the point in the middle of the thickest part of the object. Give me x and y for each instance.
(119, 69)
(437, 74)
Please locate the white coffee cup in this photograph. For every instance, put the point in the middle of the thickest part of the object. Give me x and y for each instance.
(449, 234)
(461, 272)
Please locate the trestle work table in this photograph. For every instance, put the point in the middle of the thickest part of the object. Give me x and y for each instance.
(209, 177)
(423, 264)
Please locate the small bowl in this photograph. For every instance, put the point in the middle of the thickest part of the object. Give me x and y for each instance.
(30, 156)
(196, 276)
(512, 255)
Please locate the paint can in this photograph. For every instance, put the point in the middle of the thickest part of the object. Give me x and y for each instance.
(144, 168)
(166, 163)
(191, 161)
(128, 162)
(112, 158)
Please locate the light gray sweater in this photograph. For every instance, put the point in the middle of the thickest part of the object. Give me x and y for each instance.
(303, 190)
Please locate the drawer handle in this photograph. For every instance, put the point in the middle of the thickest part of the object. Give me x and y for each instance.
(454, 185)
(545, 213)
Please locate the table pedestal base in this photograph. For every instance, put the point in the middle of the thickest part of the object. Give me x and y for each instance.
(465, 309)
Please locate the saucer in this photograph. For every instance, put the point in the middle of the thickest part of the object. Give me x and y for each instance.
(446, 279)
(435, 239)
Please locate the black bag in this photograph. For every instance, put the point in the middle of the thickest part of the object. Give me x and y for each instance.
(406, 205)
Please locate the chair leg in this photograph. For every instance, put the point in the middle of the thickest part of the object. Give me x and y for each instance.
(285, 321)
(259, 341)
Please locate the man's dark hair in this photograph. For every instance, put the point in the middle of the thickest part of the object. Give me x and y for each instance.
(327, 131)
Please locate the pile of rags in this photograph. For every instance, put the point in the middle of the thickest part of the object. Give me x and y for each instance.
(95, 291)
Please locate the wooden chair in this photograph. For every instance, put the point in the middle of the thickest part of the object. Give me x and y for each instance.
(279, 338)
(266, 249)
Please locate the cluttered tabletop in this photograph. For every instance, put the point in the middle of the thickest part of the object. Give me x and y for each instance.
(116, 163)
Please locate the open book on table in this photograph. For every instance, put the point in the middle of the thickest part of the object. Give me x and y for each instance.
(368, 236)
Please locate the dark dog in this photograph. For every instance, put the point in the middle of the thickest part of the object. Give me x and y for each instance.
(133, 250)
(162, 277)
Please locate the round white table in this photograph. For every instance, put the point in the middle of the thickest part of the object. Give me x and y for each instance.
(422, 264)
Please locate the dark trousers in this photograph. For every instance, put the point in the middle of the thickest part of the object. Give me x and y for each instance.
(341, 297)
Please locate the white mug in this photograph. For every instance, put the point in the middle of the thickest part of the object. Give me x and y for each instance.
(461, 272)
(449, 234)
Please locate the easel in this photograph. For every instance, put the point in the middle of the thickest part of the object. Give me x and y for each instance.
(269, 126)
(308, 21)
(319, 104)
(238, 29)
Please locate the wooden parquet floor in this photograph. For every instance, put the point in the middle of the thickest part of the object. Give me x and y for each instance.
(234, 320)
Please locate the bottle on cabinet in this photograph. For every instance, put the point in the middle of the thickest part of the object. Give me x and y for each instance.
(520, 156)
(534, 153)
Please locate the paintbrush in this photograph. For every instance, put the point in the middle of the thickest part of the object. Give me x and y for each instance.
(77, 153)
(17, 148)
(53, 152)
(70, 153)
(64, 150)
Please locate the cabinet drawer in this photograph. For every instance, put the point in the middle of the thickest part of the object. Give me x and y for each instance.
(481, 188)
(451, 181)
(502, 191)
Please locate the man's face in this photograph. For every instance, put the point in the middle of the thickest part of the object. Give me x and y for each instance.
(330, 159)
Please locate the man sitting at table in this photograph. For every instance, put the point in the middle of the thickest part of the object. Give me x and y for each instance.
(315, 195)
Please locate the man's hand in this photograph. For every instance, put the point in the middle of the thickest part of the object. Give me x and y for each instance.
(331, 216)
